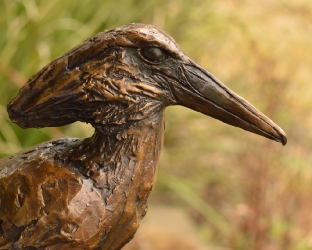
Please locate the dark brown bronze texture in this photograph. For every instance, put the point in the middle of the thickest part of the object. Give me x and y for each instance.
(92, 193)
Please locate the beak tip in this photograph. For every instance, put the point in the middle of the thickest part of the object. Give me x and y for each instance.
(284, 139)
(282, 136)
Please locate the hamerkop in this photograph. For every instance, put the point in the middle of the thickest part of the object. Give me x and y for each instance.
(92, 193)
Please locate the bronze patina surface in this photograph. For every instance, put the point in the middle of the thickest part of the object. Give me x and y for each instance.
(92, 193)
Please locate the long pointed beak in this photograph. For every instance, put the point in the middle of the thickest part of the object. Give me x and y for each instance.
(204, 93)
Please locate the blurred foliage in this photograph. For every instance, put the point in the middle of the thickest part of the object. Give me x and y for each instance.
(244, 191)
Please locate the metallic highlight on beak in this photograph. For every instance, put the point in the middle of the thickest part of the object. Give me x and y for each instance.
(204, 93)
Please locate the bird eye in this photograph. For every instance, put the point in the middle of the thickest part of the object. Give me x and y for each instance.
(153, 54)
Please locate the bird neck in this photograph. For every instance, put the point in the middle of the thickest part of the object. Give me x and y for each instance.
(111, 156)
(122, 166)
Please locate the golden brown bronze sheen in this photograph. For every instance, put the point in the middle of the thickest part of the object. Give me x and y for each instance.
(92, 193)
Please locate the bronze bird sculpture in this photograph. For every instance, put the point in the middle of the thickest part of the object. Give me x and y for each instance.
(92, 193)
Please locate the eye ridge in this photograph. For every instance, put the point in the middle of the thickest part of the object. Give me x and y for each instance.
(153, 54)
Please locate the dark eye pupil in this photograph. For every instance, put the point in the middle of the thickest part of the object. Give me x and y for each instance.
(153, 54)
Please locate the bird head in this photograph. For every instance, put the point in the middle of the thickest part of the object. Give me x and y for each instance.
(122, 76)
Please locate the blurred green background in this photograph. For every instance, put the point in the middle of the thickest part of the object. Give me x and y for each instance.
(241, 191)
